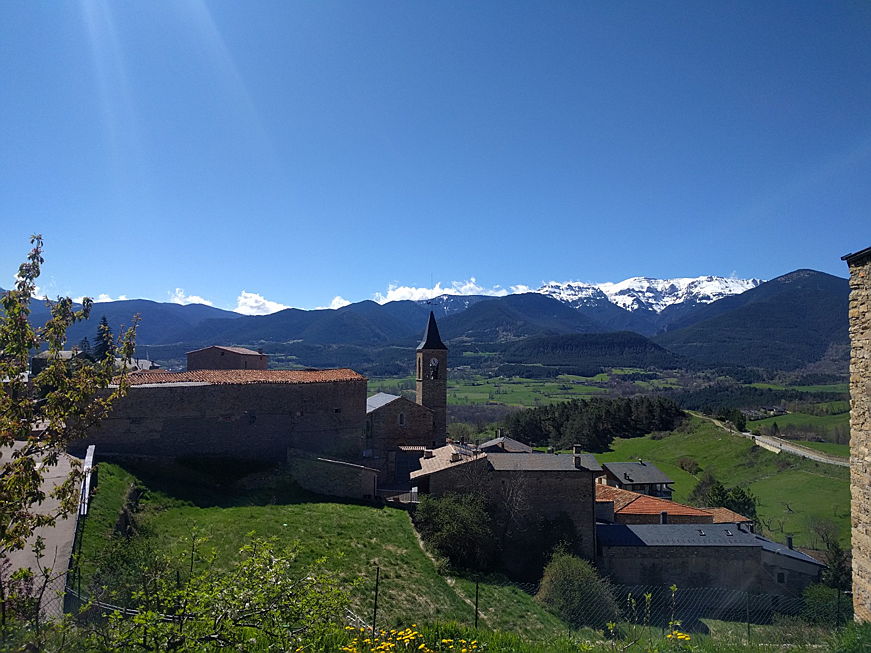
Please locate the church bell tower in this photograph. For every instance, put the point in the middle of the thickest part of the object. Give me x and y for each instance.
(432, 378)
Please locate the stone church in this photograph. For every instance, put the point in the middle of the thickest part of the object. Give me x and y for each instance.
(322, 417)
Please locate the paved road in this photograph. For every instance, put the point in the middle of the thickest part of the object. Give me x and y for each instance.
(58, 543)
(780, 444)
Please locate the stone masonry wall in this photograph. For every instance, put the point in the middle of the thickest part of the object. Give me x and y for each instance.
(333, 478)
(860, 431)
(257, 421)
(539, 493)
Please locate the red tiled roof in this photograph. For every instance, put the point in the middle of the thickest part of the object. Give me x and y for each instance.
(238, 377)
(634, 503)
(726, 516)
(235, 350)
(619, 496)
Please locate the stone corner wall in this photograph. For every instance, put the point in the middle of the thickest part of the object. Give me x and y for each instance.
(860, 432)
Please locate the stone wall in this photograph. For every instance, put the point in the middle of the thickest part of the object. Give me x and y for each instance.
(735, 567)
(332, 477)
(258, 421)
(742, 568)
(860, 429)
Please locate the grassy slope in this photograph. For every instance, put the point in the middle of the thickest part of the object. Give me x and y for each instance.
(826, 422)
(112, 485)
(830, 448)
(354, 538)
(791, 490)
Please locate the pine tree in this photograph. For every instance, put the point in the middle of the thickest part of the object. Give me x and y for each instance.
(105, 342)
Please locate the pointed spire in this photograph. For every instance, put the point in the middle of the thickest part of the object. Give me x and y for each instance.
(431, 337)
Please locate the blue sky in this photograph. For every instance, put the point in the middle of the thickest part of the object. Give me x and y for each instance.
(302, 150)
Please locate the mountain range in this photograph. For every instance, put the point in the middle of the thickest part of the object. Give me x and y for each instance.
(793, 321)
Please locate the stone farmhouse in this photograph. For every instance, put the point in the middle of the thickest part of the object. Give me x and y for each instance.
(859, 264)
(547, 485)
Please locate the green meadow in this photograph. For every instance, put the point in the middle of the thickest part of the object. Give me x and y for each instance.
(794, 493)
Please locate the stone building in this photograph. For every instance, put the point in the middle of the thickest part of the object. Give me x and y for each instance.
(228, 404)
(253, 414)
(537, 484)
(432, 377)
(725, 556)
(226, 358)
(393, 421)
(642, 477)
(859, 264)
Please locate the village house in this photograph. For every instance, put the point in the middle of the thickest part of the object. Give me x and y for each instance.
(643, 477)
(703, 555)
(546, 485)
(226, 358)
(615, 505)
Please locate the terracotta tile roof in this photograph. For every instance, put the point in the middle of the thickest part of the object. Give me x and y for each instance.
(634, 503)
(620, 497)
(444, 457)
(235, 350)
(726, 516)
(241, 377)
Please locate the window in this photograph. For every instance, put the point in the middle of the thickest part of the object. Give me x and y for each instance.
(781, 577)
(337, 410)
(402, 419)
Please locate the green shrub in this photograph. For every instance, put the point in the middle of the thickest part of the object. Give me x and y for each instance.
(575, 592)
(458, 527)
(826, 605)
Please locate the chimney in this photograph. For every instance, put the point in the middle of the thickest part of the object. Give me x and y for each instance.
(789, 541)
(455, 457)
(499, 432)
(577, 449)
(578, 463)
(427, 453)
(663, 517)
(626, 475)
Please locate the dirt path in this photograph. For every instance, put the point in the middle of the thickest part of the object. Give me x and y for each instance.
(452, 582)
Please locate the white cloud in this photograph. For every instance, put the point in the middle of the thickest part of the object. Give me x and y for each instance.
(103, 297)
(338, 302)
(179, 297)
(250, 303)
(468, 287)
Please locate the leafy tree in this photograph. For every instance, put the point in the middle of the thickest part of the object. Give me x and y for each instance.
(105, 343)
(266, 601)
(572, 590)
(460, 528)
(38, 419)
(710, 493)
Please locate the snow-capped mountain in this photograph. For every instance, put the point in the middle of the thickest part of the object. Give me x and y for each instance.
(645, 293)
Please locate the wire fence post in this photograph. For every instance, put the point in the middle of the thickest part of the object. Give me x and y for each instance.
(476, 605)
(375, 607)
(747, 613)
